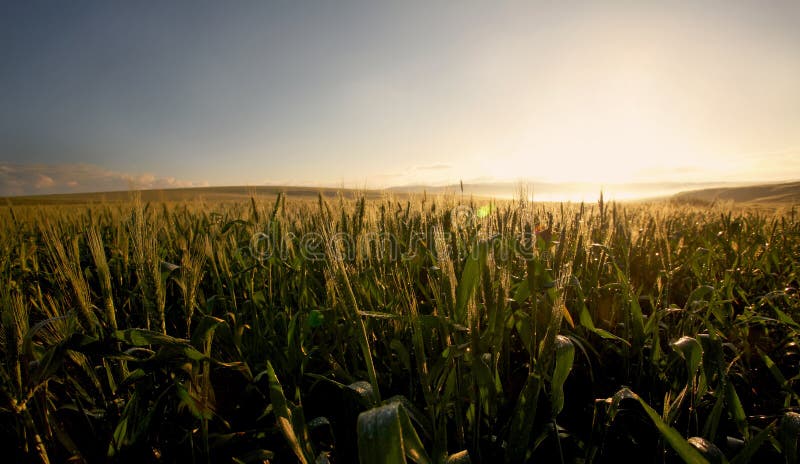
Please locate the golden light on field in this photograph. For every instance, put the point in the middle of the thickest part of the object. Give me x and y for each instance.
(360, 231)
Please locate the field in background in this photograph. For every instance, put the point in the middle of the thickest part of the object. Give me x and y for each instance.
(770, 196)
(210, 194)
(434, 329)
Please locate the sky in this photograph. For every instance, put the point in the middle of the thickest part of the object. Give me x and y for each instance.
(106, 95)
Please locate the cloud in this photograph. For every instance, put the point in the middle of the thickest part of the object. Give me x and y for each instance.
(432, 167)
(43, 182)
(429, 174)
(35, 179)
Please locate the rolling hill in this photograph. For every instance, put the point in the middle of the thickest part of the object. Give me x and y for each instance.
(232, 193)
(788, 192)
(782, 193)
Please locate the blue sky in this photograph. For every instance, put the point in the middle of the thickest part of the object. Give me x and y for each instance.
(107, 94)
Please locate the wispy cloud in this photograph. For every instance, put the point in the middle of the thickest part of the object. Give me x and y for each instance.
(429, 174)
(432, 167)
(35, 179)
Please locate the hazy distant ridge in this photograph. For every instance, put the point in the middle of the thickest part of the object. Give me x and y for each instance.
(766, 193)
(546, 189)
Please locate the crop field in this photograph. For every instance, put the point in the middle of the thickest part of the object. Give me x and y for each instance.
(426, 329)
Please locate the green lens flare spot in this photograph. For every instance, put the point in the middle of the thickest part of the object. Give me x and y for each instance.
(484, 211)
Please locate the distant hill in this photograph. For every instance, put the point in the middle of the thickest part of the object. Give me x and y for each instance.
(758, 194)
(234, 193)
(548, 191)
(539, 191)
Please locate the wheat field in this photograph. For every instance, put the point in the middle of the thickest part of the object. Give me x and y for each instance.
(426, 329)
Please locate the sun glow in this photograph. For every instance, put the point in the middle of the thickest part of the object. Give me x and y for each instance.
(616, 123)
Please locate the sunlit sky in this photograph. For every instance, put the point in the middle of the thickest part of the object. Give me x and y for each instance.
(103, 95)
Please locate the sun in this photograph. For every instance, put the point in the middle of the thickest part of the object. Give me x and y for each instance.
(620, 132)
